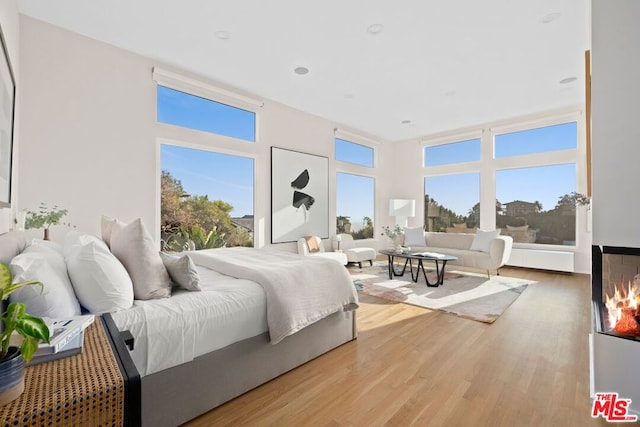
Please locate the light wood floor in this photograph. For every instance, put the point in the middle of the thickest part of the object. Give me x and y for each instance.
(412, 366)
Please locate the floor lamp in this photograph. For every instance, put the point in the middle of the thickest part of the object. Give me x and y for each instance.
(402, 209)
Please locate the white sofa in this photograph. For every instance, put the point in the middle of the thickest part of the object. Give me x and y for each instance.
(459, 244)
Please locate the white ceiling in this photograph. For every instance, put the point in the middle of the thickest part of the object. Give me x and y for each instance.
(441, 64)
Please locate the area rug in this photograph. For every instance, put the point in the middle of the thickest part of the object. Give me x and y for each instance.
(469, 295)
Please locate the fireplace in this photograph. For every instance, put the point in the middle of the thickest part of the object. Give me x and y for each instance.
(616, 291)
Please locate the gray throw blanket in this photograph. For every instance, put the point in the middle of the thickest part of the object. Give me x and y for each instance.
(300, 290)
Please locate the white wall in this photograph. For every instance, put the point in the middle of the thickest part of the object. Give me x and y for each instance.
(615, 71)
(9, 20)
(90, 138)
(615, 82)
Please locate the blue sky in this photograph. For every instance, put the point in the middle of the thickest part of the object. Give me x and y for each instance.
(219, 176)
(544, 184)
(355, 198)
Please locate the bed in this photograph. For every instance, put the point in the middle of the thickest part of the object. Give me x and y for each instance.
(194, 351)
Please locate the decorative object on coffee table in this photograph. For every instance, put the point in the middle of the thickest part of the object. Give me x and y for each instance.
(395, 234)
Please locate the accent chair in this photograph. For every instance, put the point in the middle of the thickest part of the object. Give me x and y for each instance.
(313, 246)
(355, 254)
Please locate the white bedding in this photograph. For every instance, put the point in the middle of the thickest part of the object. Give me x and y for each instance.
(300, 290)
(175, 330)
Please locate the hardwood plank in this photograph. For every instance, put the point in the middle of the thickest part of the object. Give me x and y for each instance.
(413, 366)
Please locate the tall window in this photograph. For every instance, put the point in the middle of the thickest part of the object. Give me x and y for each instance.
(206, 199)
(355, 205)
(538, 200)
(190, 111)
(451, 202)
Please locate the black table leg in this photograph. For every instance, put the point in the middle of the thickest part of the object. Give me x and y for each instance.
(392, 270)
(439, 273)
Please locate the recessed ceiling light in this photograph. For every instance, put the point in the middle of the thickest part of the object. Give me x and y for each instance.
(375, 29)
(301, 70)
(450, 93)
(405, 122)
(349, 96)
(223, 35)
(550, 17)
(568, 80)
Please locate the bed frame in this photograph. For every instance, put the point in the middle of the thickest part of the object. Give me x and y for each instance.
(179, 394)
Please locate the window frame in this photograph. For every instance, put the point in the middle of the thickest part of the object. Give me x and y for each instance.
(335, 153)
(214, 93)
(160, 141)
(370, 176)
(476, 136)
(488, 164)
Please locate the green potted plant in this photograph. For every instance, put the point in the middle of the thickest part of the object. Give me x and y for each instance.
(45, 218)
(32, 329)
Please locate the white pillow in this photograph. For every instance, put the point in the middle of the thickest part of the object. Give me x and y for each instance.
(56, 298)
(74, 240)
(133, 246)
(414, 236)
(47, 244)
(101, 283)
(182, 271)
(482, 240)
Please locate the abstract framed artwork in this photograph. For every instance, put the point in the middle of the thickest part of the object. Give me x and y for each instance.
(299, 195)
(7, 109)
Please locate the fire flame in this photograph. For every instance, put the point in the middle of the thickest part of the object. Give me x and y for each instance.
(622, 309)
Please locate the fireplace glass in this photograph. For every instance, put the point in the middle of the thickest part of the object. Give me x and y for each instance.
(615, 283)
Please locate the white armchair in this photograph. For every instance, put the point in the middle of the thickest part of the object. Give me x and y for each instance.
(303, 249)
(346, 244)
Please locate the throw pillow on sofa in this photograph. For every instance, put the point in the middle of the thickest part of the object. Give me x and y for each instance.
(414, 236)
(482, 240)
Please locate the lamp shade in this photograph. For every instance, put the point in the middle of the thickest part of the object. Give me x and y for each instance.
(402, 207)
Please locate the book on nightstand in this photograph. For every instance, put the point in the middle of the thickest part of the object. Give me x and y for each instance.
(61, 332)
(73, 347)
(65, 339)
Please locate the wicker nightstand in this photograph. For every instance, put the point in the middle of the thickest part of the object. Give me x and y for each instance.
(81, 390)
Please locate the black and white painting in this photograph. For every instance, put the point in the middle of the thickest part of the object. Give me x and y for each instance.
(7, 104)
(299, 195)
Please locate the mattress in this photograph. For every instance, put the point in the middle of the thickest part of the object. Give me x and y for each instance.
(175, 330)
